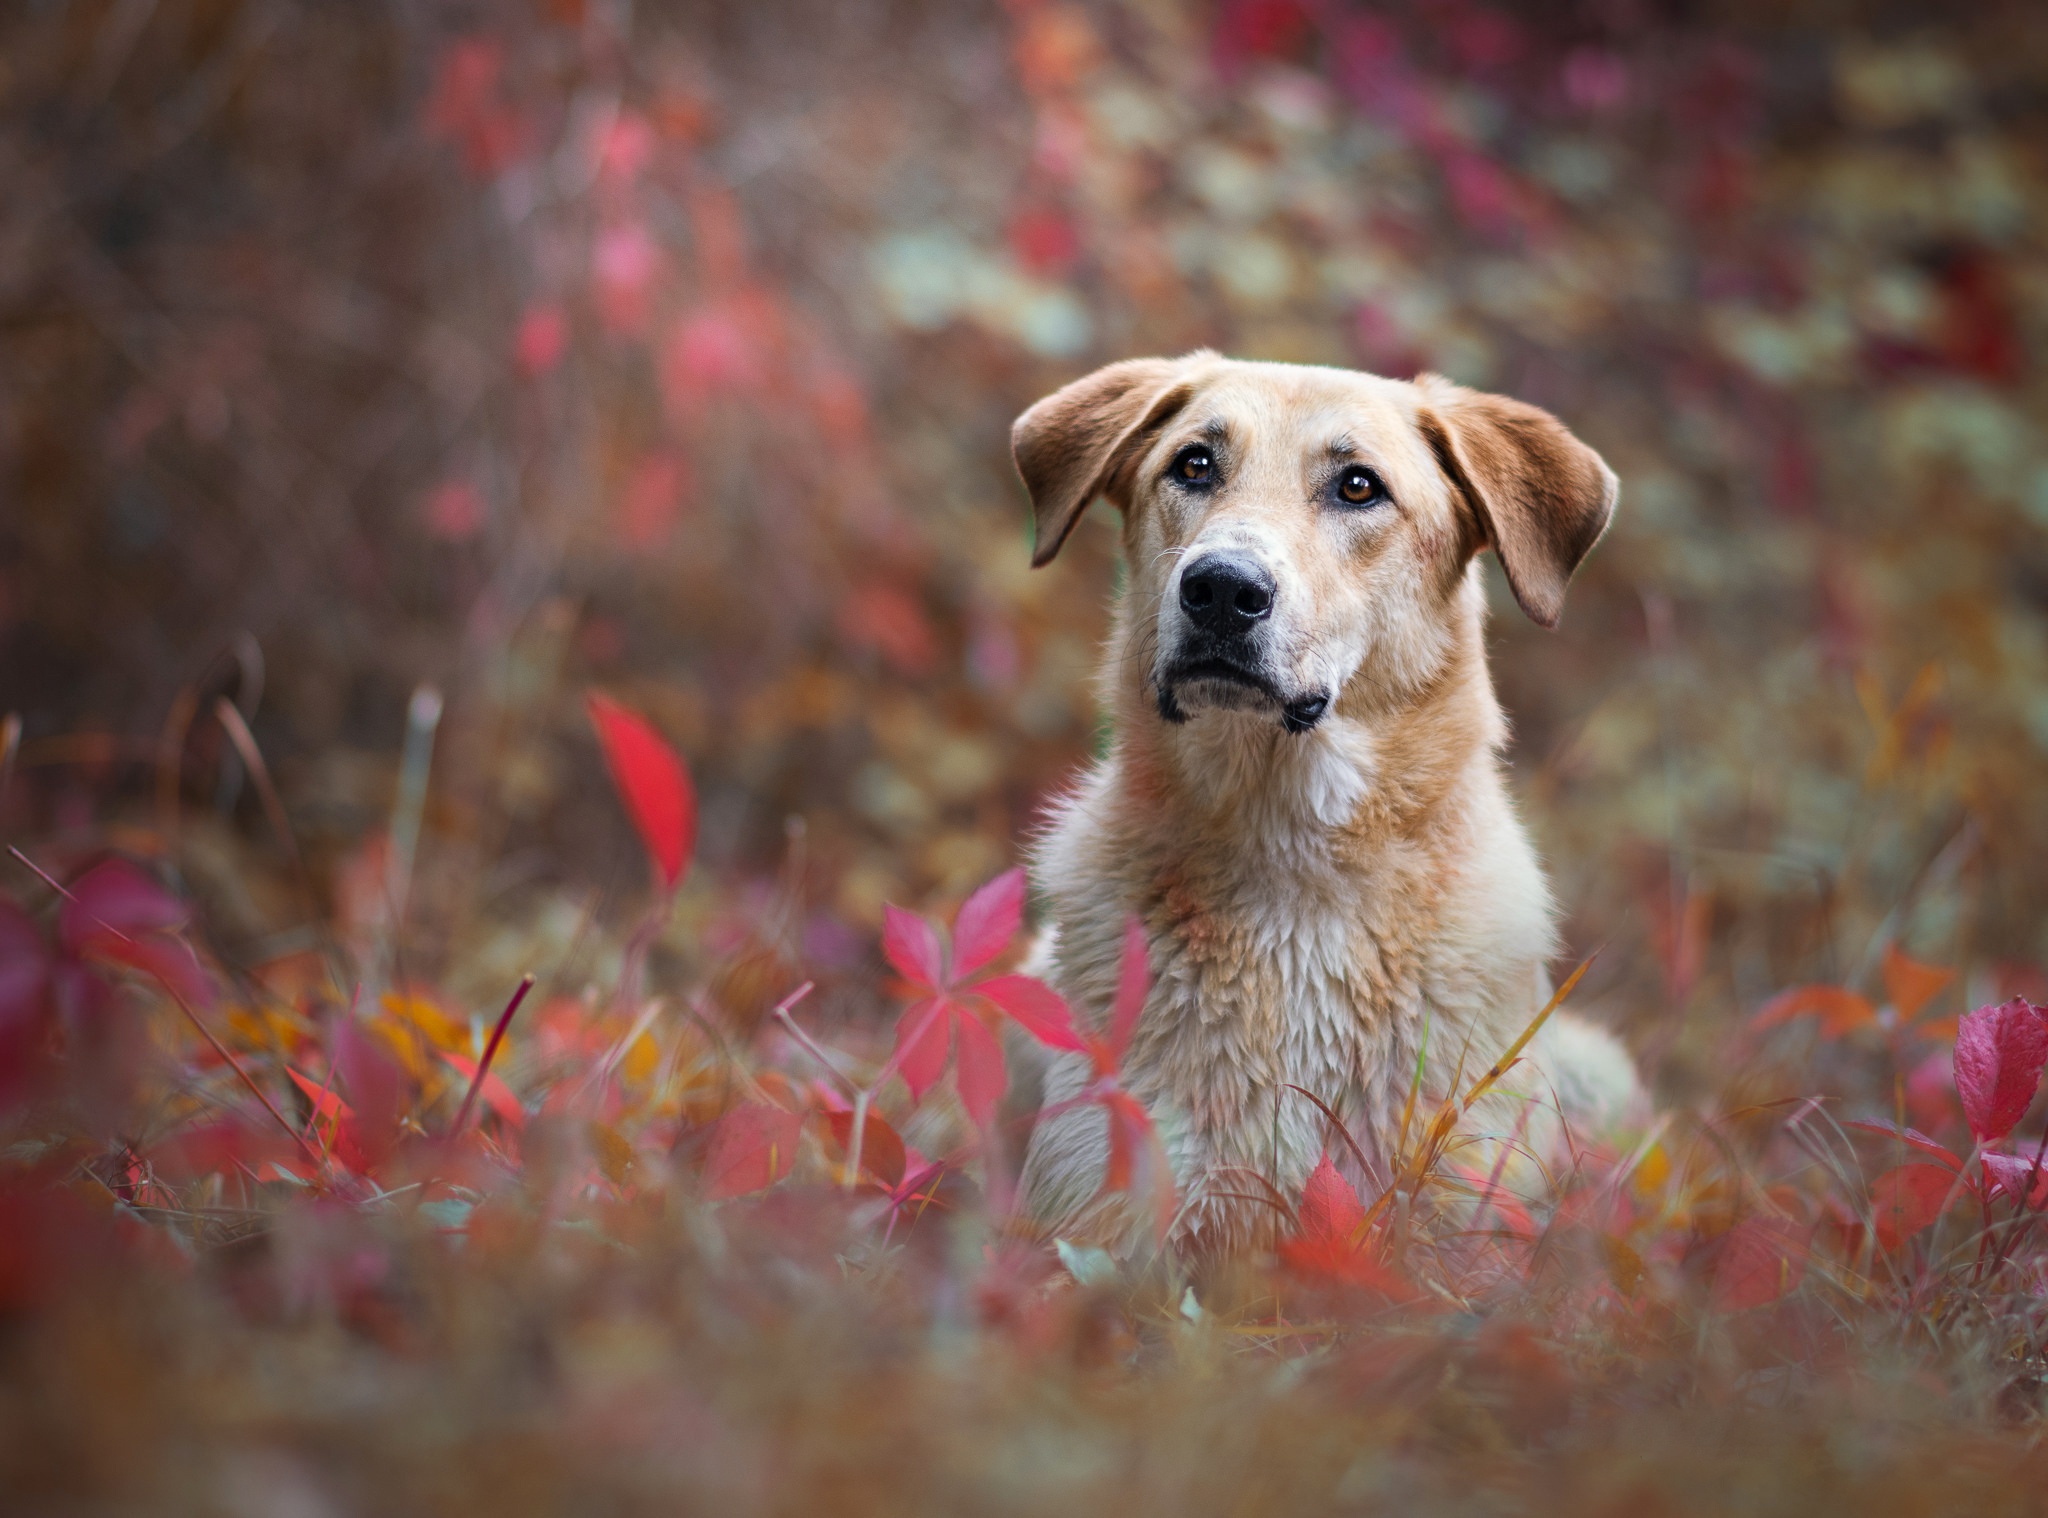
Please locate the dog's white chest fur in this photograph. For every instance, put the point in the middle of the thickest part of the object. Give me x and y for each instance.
(1288, 951)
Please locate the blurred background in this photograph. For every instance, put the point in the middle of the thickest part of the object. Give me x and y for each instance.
(670, 350)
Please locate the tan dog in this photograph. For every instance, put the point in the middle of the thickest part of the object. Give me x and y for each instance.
(1303, 803)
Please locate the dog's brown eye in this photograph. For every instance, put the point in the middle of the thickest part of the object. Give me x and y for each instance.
(1194, 466)
(1359, 487)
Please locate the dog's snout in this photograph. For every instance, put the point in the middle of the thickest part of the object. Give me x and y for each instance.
(1225, 594)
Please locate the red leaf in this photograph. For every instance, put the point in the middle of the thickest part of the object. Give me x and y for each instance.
(1999, 1054)
(882, 1154)
(496, 1094)
(753, 1147)
(1133, 983)
(1906, 1200)
(1138, 1166)
(115, 896)
(978, 1069)
(1330, 1209)
(1761, 1258)
(922, 1033)
(1840, 1011)
(1036, 1007)
(326, 1100)
(652, 783)
(912, 946)
(2011, 1173)
(1913, 1138)
(988, 920)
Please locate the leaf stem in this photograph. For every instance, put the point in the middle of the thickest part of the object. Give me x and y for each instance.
(483, 1066)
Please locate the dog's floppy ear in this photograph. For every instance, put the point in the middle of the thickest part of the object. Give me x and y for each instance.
(1541, 497)
(1070, 445)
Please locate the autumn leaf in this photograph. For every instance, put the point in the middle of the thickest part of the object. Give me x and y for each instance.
(115, 897)
(1839, 1010)
(2020, 1177)
(1326, 1245)
(1999, 1054)
(1760, 1260)
(752, 1148)
(911, 945)
(1908, 1199)
(1035, 1007)
(327, 1102)
(882, 1152)
(652, 782)
(1911, 984)
(959, 1014)
(1913, 1139)
(988, 920)
(1330, 1209)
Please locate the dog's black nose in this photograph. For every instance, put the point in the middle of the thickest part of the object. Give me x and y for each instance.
(1224, 594)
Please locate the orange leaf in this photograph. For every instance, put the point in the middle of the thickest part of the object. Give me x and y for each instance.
(1839, 1010)
(1912, 985)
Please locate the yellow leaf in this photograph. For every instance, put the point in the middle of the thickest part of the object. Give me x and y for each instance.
(1653, 1172)
(438, 1027)
(643, 1056)
(613, 1154)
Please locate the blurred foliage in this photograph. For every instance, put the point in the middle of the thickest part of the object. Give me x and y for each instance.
(671, 349)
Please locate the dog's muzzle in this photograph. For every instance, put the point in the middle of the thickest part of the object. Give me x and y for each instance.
(1225, 600)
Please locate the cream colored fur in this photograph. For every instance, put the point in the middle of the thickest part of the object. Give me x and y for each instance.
(1324, 908)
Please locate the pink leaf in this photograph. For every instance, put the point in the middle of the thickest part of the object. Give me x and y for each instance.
(1913, 1138)
(1999, 1054)
(753, 1147)
(1761, 1258)
(168, 960)
(1133, 983)
(496, 1094)
(1330, 1209)
(912, 946)
(2018, 1177)
(922, 1033)
(653, 784)
(1906, 1200)
(1036, 1007)
(115, 896)
(988, 920)
(979, 1069)
(376, 1086)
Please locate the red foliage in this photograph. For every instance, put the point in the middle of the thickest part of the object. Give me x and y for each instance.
(2000, 1052)
(653, 784)
(1759, 1260)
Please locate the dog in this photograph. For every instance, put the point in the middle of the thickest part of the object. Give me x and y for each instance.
(1302, 802)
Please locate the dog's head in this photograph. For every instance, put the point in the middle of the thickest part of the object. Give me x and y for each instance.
(1289, 527)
